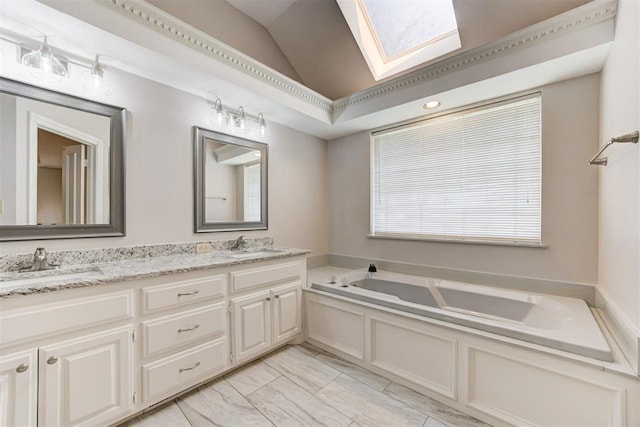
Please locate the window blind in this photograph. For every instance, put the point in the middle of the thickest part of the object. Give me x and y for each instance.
(473, 175)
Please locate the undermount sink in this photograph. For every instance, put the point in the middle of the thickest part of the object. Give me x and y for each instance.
(32, 278)
(255, 253)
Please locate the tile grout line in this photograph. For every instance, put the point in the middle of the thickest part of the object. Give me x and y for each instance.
(175, 402)
(329, 404)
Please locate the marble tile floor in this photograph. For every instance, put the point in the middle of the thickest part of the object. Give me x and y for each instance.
(301, 385)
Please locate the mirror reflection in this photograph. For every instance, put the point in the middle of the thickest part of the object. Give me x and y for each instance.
(61, 165)
(230, 182)
(55, 164)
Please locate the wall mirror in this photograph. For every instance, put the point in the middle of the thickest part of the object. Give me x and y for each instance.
(61, 165)
(230, 181)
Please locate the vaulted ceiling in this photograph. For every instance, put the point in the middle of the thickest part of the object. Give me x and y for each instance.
(302, 68)
(310, 41)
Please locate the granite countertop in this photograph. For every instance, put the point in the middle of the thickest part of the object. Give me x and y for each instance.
(13, 283)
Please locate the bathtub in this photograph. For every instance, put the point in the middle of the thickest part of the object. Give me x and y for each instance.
(557, 322)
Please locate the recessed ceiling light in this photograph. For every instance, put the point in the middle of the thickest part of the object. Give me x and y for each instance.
(431, 104)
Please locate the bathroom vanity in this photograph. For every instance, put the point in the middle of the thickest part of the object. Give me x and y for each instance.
(95, 348)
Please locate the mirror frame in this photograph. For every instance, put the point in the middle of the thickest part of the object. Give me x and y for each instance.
(116, 225)
(200, 135)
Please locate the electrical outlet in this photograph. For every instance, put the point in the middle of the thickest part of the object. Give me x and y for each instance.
(203, 247)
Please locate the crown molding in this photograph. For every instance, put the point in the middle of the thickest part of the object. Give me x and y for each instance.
(568, 22)
(176, 29)
(587, 15)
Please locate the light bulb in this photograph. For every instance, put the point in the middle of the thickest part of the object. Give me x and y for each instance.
(45, 64)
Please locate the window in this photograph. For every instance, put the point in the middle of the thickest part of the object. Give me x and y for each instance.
(474, 175)
(397, 35)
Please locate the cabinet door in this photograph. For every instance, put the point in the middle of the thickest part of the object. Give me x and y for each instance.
(286, 312)
(19, 388)
(87, 380)
(251, 325)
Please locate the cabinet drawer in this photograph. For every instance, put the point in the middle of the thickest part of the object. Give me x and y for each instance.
(173, 331)
(177, 294)
(184, 369)
(246, 279)
(78, 313)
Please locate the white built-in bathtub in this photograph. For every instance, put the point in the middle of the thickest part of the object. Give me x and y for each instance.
(558, 322)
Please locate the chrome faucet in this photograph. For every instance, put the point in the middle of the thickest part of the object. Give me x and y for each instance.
(239, 244)
(41, 262)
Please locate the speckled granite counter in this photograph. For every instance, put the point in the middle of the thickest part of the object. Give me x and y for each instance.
(157, 261)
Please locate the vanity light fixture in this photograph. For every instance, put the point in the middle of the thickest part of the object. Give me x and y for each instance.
(93, 79)
(431, 104)
(237, 119)
(44, 63)
(49, 66)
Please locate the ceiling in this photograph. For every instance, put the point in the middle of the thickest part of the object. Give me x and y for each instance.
(298, 70)
(310, 41)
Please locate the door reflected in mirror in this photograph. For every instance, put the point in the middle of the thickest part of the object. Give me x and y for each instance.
(61, 165)
(63, 177)
(230, 181)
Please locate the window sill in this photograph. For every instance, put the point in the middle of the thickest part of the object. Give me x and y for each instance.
(462, 241)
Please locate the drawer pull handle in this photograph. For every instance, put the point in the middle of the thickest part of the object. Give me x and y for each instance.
(52, 360)
(268, 298)
(196, 326)
(184, 294)
(22, 367)
(192, 367)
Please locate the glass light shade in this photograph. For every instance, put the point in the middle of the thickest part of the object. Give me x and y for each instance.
(93, 80)
(262, 124)
(44, 63)
(242, 118)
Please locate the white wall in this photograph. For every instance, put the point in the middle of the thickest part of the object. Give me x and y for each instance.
(159, 173)
(569, 188)
(619, 225)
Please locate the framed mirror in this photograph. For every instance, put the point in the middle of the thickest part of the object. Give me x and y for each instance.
(230, 181)
(61, 165)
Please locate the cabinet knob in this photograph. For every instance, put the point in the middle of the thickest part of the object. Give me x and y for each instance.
(268, 298)
(52, 360)
(22, 367)
(277, 296)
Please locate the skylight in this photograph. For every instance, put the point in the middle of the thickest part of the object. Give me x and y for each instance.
(395, 35)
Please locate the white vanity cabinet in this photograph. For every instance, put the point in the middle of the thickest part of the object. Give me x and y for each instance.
(71, 360)
(268, 310)
(86, 380)
(184, 333)
(19, 388)
(97, 355)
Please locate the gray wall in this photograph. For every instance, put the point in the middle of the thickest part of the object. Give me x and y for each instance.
(569, 201)
(159, 174)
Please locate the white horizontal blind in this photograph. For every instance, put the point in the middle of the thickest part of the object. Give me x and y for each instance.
(473, 175)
